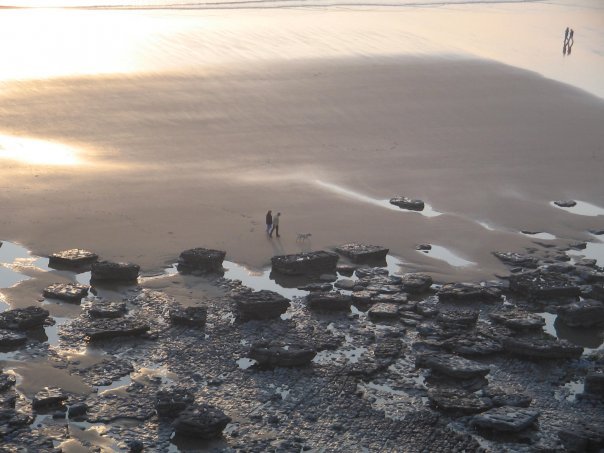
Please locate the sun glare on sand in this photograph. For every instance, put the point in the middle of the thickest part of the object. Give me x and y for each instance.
(37, 152)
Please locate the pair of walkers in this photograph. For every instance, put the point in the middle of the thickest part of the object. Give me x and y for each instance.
(272, 223)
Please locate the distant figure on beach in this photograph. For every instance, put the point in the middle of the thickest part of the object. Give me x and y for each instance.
(566, 33)
(275, 226)
(571, 35)
(269, 222)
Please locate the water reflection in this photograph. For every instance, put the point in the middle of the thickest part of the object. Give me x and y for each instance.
(37, 152)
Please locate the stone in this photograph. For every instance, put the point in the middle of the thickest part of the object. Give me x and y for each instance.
(317, 287)
(77, 410)
(107, 309)
(9, 339)
(363, 299)
(102, 329)
(565, 203)
(278, 354)
(202, 421)
(110, 272)
(468, 292)
(517, 259)
(472, 345)
(383, 311)
(451, 365)
(397, 298)
(458, 401)
(582, 437)
(585, 313)
(70, 292)
(201, 260)
(500, 397)
(517, 319)
(416, 283)
(541, 284)
(371, 272)
(345, 284)
(457, 318)
(333, 301)
(442, 381)
(311, 263)
(261, 304)
(23, 318)
(428, 307)
(596, 232)
(189, 316)
(72, 259)
(423, 247)
(135, 446)
(6, 382)
(362, 253)
(407, 203)
(541, 347)
(388, 347)
(172, 401)
(594, 382)
(506, 419)
(49, 397)
(346, 269)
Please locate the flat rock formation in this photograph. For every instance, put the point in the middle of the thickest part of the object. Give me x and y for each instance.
(362, 253)
(451, 365)
(279, 354)
(107, 309)
(311, 263)
(459, 401)
(73, 259)
(383, 312)
(333, 301)
(539, 284)
(8, 338)
(171, 401)
(23, 318)
(260, 304)
(69, 292)
(104, 329)
(416, 283)
(189, 316)
(110, 272)
(517, 319)
(468, 292)
(201, 421)
(49, 397)
(506, 419)
(201, 260)
(541, 348)
(585, 313)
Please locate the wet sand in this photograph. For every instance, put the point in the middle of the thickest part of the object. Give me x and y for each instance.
(169, 162)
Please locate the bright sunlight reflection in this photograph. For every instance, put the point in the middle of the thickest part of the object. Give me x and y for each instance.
(37, 152)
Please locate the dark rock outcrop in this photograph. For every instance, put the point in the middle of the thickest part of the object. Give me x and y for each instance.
(102, 329)
(311, 263)
(70, 292)
(594, 383)
(10, 339)
(110, 272)
(450, 365)
(202, 421)
(506, 418)
(416, 283)
(458, 401)
(172, 401)
(541, 348)
(77, 410)
(467, 292)
(260, 304)
(541, 284)
(201, 260)
(73, 259)
(333, 301)
(582, 437)
(457, 318)
(517, 259)
(362, 253)
(49, 397)
(585, 313)
(189, 316)
(107, 309)
(383, 312)
(517, 319)
(408, 203)
(23, 318)
(565, 203)
(278, 354)
(472, 345)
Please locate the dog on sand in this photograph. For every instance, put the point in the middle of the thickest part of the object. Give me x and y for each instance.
(303, 237)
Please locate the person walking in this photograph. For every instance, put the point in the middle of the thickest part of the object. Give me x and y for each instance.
(269, 222)
(275, 227)
(571, 35)
(566, 34)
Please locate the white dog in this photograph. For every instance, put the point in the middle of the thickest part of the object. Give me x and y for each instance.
(303, 237)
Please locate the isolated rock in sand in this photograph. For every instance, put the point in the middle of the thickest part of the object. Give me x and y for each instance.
(189, 316)
(8, 338)
(72, 259)
(506, 418)
(565, 203)
(407, 203)
(459, 401)
(107, 309)
(23, 318)
(468, 292)
(451, 365)
(102, 329)
(540, 284)
(202, 421)
(541, 348)
(362, 253)
(261, 304)
(201, 260)
(70, 292)
(333, 301)
(278, 354)
(109, 272)
(517, 319)
(311, 263)
(585, 313)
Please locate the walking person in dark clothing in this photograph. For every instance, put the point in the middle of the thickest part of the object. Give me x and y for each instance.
(275, 227)
(566, 34)
(571, 35)
(269, 222)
